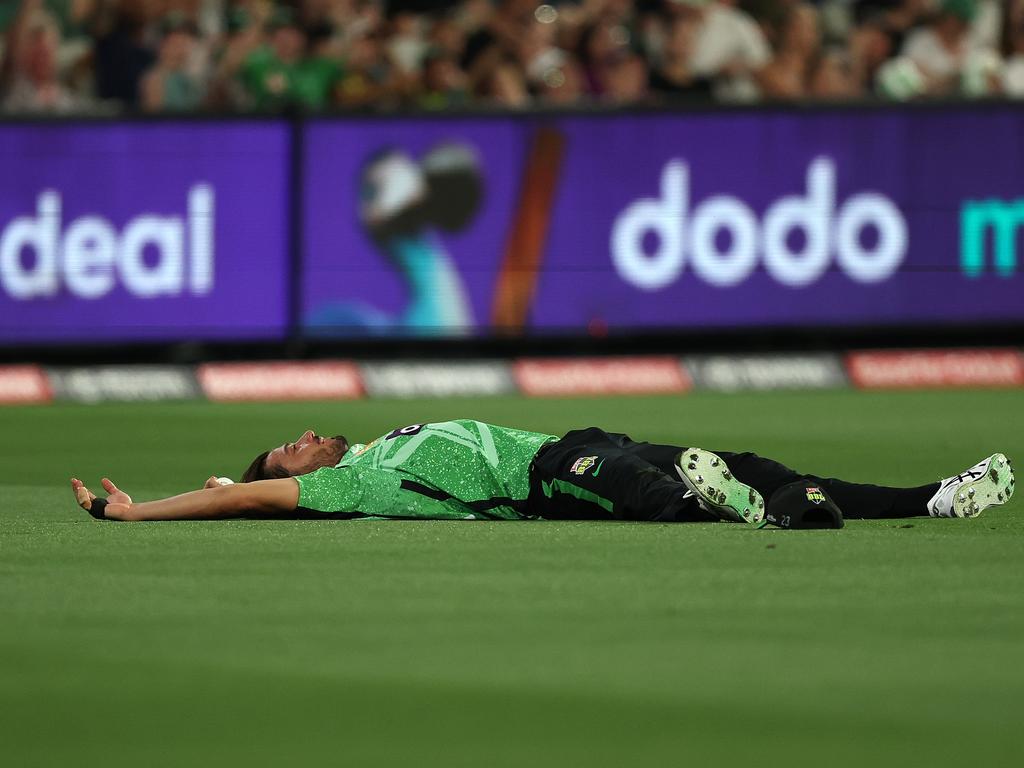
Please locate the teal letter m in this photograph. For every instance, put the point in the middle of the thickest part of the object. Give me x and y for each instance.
(1005, 218)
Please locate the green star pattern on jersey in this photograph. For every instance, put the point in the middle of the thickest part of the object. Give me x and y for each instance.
(452, 470)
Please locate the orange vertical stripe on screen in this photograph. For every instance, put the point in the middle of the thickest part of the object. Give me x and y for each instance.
(524, 246)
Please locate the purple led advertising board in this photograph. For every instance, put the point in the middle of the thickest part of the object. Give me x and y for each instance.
(593, 223)
(143, 231)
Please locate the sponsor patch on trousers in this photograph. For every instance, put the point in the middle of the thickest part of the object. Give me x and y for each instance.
(437, 379)
(733, 373)
(23, 385)
(600, 376)
(124, 383)
(332, 380)
(939, 369)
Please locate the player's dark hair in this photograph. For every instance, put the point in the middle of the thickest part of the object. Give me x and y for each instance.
(258, 470)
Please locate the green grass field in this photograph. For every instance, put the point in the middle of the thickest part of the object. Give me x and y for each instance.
(370, 643)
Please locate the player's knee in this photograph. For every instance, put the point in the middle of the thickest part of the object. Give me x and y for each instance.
(656, 497)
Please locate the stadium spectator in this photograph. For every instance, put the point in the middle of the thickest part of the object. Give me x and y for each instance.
(365, 80)
(1013, 71)
(894, 18)
(831, 77)
(506, 87)
(798, 44)
(870, 46)
(538, 52)
(281, 74)
(563, 85)
(941, 48)
(239, 55)
(627, 81)
(407, 46)
(123, 51)
(448, 37)
(674, 79)
(244, 36)
(444, 83)
(169, 85)
(602, 46)
(32, 83)
(731, 49)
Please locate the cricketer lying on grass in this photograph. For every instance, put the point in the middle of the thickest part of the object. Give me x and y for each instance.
(468, 470)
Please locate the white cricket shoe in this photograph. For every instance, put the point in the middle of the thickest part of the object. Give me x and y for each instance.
(987, 484)
(717, 491)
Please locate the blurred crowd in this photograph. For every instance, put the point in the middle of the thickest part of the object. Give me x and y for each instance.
(61, 56)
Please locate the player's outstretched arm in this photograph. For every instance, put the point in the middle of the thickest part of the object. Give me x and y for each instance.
(262, 498)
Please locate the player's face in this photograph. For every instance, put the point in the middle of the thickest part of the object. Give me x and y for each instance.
(307, 454)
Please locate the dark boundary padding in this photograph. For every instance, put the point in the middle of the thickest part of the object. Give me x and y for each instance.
(333, 379)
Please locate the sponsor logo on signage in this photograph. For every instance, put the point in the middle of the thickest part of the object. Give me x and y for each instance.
(766, 372)
(1005, 220)
(124, 383)
(280, 381)
(23, 384)
(954, 368)
(600, 376)
(722, 239)
(581, 465)
(153, 255)
(815, 495)
(437, 379)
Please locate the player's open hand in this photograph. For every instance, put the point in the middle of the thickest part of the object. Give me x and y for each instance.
(114, 507)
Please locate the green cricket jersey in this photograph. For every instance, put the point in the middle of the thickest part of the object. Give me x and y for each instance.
(452, 470)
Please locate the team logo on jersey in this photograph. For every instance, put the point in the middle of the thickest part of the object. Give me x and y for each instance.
(815, 495)
(581, 465)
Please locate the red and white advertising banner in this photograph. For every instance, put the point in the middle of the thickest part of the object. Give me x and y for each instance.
(276, 381)
(600, 376)
(936, 369)
(23, 385)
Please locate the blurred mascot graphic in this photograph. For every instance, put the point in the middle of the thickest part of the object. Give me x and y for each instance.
(405, 207)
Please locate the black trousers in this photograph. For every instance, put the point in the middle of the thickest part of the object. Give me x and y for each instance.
(594, 475)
